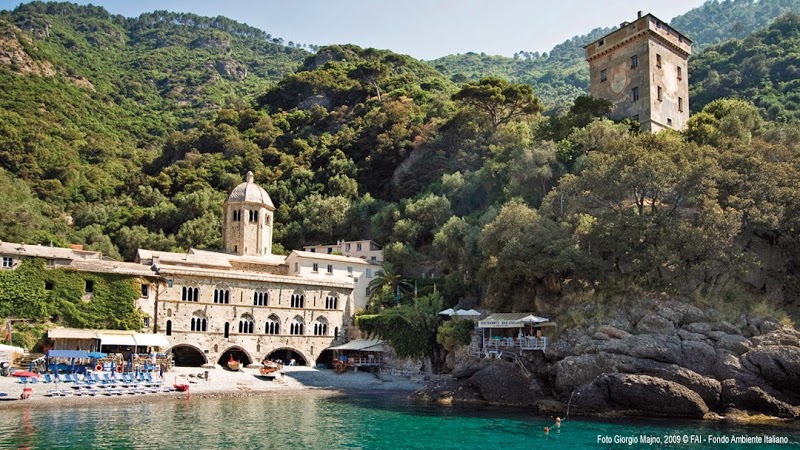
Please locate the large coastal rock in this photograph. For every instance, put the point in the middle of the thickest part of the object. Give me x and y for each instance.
(670, 358)
(615, 393)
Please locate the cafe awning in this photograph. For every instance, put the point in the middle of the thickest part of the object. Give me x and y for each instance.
(367, 345)
(513, 320)
(151, 340)
(117, 339)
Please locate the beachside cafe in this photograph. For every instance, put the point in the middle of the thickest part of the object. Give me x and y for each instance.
(512, 332)
(122, 347)
(358, 353)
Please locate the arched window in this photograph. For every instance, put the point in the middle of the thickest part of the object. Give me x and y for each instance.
(296, 326)
(246, 324)
(273, 325)
(169, 328)
(199, 322)
(190, 294)
(297, 301)
(321, 327)
(331, 302)
(222, 296)
(260, 298)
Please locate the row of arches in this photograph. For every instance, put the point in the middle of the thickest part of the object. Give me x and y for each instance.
(260, 298)
(186, 355)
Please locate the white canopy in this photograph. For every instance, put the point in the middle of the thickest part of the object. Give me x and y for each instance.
(117, 339)
(511, 320)
(151, 340)
(447, 312)
(71, 333)
(468, 313)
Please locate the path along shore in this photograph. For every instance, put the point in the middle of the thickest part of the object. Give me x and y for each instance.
(298, 380)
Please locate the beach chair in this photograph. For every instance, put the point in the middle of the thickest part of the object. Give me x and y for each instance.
(23, 380)
(33, 380)
(47, 378)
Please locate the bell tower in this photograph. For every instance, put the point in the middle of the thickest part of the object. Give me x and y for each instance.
(247, 220)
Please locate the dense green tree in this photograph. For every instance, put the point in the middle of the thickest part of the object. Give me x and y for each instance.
(499, 100)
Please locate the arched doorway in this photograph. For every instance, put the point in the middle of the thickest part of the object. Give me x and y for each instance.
(188, 356)
(286, 355)
(326, 358)
(238, 354)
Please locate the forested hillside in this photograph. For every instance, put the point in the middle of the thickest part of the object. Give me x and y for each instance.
(763, 68)
(128, 133)
(563, 74)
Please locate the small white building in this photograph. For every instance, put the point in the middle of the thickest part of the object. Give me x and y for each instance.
(364, 249)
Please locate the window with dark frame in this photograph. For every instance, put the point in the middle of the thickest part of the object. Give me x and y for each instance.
(635, 94)
(634, 61)
(603, 75)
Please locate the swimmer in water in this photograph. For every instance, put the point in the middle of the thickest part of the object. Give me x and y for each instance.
(558, 422)
(547, 431)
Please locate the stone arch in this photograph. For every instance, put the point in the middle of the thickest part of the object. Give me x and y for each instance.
(188, 355)
(238, 353)
(286, 354)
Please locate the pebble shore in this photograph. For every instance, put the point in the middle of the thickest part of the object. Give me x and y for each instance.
(298, 380)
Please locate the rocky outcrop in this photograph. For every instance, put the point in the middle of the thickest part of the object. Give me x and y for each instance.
(671, 359)
(653, 396)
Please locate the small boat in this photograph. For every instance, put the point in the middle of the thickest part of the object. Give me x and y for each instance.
(268, 367)
(181, 387)
(234, 365)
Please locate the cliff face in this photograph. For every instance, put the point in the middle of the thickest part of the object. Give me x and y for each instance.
(673, 360)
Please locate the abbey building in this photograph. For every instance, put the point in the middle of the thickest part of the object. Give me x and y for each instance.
(242, 301)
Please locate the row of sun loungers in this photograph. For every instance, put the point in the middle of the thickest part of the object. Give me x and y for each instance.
(90, 391)
(95, 379)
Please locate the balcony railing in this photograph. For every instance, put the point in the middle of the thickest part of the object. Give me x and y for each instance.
(520, 343)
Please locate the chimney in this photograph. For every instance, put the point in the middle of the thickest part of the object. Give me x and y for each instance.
(639, 15)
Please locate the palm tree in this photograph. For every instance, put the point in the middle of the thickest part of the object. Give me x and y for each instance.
(388, 277)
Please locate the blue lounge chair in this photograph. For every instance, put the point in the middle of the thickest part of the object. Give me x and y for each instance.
(33, 380)
(23, 380)
(47, 378)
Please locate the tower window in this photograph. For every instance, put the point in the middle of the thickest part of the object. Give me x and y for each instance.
(635, 94)
(601, 42)
(237, 215)
(634, 61)
(660, 94)
(252, 216)
(680, 74)
(658, 60)
(669, 122)
(680, 104)
(603, 75)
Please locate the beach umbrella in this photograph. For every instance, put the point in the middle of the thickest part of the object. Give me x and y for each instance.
(25, 373)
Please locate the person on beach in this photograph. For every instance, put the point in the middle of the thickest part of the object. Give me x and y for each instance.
(283, 371)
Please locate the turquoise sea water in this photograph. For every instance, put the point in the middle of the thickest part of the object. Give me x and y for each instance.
(364, 422)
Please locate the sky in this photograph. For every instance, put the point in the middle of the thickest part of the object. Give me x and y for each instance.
(424, 29)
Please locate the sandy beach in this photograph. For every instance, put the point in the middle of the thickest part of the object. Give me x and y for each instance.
(221, 383)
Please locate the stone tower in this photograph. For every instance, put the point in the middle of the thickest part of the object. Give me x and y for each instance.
(642, 69)
(247, 220)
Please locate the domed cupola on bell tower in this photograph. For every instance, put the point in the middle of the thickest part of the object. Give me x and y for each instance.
(247, 220)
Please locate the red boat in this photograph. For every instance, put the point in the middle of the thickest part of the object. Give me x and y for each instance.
(181, 387)
(233, 364)
(268, 367)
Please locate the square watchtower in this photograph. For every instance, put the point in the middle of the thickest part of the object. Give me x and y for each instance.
(641, 68)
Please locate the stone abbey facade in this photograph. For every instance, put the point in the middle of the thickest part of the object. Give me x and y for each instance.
(642, 69)
(241, 302)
